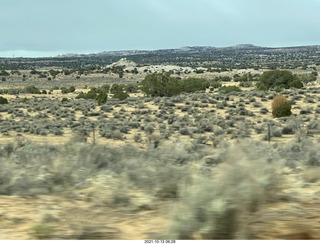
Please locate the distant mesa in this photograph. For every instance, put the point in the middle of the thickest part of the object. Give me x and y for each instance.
(244, 46)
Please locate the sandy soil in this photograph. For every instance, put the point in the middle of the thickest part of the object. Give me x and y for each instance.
(294, 216)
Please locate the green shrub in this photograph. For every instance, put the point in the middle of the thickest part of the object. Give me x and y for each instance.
(105, 87)
(279, 89)
(305, 78)
(262, 87)
(34, 72)
(65, 90)
(54, 73)
(281, 107)
(296, 84)
(245, 83)
(31, 89)
(131, 88)
(72, 89)
(98, 94)
(137, 137)
(24, 100)
(228, 89)
(114, 88)
(67, 72)
(120, 94)
(42, 76)
(92, 94)
(81, 95)
(215, 84)
(3, 100)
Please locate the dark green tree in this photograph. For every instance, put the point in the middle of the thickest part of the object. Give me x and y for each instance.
(118, 92)
(114, 88)
(131, 88)
(102, 97)
(278, 78)
(160, 85)
(193, 84)
(105, 87)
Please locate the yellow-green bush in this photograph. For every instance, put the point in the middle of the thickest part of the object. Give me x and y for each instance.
(281, 107)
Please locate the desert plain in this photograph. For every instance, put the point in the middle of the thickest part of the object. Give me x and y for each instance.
(201, 165)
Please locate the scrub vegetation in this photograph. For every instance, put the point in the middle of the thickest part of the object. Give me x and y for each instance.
(159, 155)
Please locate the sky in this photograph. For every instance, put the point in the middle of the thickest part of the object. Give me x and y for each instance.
(44, 28)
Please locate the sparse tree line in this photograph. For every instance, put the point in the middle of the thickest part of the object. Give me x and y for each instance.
(165, 85)
(162, 84)
(27, 90)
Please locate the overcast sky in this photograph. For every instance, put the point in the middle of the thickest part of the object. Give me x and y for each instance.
(52, 27)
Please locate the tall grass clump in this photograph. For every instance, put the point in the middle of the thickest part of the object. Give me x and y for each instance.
(281, 107)
(219, 205)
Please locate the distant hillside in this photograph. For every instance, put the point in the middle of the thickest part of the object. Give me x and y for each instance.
(182, 50)
(240, 56)
(185, 50)
(244, 47)
(189, 50)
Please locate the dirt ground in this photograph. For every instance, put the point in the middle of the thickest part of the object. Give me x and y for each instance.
(70, 218)
(294, 216)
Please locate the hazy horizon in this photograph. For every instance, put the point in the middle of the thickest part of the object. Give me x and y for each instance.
(44, 28)
(40, 54)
